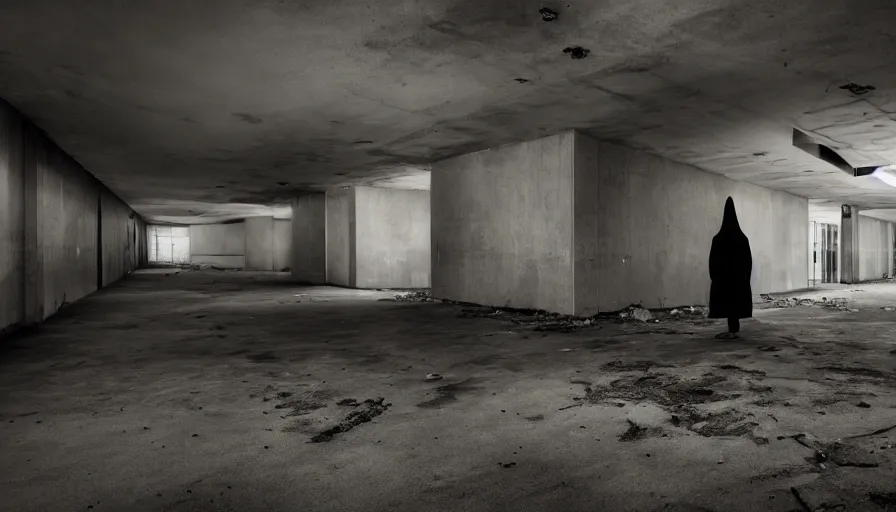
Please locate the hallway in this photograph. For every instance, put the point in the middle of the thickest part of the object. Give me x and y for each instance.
(201, 391)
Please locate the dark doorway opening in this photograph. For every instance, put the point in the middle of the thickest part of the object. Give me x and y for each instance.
(99, 243)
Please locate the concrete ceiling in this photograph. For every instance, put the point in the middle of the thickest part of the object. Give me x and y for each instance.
(215, 108)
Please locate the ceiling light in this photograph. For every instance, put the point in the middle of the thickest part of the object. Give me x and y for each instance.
(886, 174)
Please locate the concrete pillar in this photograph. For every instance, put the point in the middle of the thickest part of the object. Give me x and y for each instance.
(575, 225)
(309, 238)
(260, 243)
(34, 152)
(849, 245)
(391, 235)
(378, 238)
(282, 245)
(502, 226)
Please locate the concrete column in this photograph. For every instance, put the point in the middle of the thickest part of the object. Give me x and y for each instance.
(282, 245)
(378, 238)
(309, 238)
(502, 226)
(849, 245)
(391, 235)
(34, 151)
(260, 243)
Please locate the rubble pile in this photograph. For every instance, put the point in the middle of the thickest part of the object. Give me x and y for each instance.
(422, 296)
(639, 313)
(838, 303)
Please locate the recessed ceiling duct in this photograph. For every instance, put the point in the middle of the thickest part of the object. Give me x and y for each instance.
(820, 151)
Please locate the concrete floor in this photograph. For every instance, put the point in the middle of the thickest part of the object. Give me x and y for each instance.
(161, 393)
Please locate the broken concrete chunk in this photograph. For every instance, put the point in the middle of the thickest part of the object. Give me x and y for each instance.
(548, 14)
(576, 52)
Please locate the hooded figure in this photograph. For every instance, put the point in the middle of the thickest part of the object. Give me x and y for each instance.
(730, 269)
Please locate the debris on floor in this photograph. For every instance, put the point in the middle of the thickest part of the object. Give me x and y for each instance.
(420, 296)
(637, 432)
(838, 303)
(547, 14)
(576, 52)
(637, 313)
(365, 412)
(431, 377)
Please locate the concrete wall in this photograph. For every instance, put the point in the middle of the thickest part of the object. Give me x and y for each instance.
(392, 238)
(875, 248)
(68, 202)
(222, 245)
(502, 225)
(12, 219)
(309, 238)
(62, 233)
(656, 220)
(340, 237)
(121, 242)
(282, 244)
(259, 243)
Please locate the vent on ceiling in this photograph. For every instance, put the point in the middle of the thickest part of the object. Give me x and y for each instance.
(803, 141)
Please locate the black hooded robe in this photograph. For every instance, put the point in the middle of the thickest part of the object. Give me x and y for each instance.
(730, 269)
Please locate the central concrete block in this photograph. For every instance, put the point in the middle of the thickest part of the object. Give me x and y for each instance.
(574, 225)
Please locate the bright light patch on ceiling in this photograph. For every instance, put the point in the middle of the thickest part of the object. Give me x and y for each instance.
(886, 174)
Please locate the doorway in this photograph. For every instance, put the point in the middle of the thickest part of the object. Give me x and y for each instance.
(827, 252)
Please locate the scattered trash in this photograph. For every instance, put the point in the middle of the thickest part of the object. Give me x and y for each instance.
(577, 52)
(838, 303)
(431, 377)
(636, 312)
(857, 89)
(421, 296)
(547, 14)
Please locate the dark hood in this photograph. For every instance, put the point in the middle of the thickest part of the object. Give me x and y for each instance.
(730, 226)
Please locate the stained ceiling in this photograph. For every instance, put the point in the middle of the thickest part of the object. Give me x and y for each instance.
(204, 110)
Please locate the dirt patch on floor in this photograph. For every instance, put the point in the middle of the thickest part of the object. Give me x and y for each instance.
(263, 357)
(858, 371)
(447, 394)
(632, 366)
(637, 432)
(661, 389)
(364, 413)
(679, 397)
(735, 368)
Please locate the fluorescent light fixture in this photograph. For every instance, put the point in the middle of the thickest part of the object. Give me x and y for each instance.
(886, 174)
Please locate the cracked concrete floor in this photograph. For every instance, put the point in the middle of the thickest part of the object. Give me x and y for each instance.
(202, 390)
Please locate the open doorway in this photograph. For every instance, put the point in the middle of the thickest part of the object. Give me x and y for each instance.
(825, 253)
